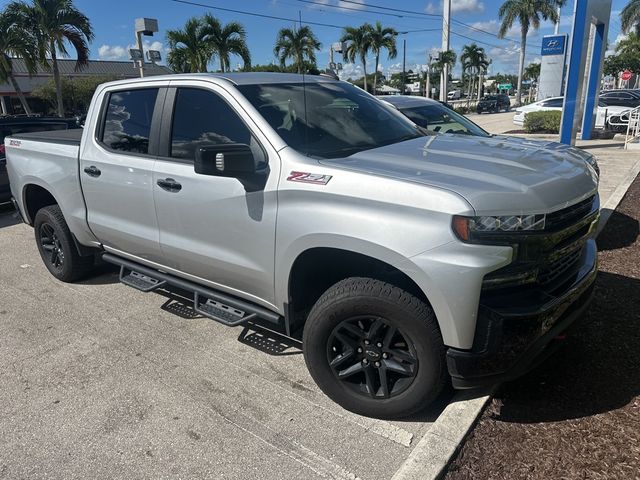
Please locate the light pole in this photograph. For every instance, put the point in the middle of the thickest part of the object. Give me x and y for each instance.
(147, 27)
(446, 30)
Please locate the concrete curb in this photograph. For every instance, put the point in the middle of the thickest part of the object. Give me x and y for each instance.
(612, 203)
(437, 447)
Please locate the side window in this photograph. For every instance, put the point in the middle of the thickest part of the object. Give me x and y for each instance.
(201, 117)
(556, 102)
(127, 122)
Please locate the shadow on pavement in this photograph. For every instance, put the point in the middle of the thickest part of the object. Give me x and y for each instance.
(595, 372)
(8, 215)
(626, 231)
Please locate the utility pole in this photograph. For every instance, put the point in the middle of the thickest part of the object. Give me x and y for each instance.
(446, 30)
(557, 29)
(404, 61)
(427, 91)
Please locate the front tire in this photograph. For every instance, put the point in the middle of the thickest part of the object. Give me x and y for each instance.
(56, 246)
(375, 349)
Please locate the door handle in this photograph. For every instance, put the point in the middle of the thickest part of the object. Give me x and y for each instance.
(169, 184)
(92, 171)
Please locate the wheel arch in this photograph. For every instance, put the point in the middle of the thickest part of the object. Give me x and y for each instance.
(35, 197)
(315, 269)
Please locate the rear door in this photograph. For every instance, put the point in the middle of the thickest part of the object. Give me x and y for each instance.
(116, 168)
(217, 229)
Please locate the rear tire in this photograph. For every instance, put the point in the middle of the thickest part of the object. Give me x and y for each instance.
(375, 349)
(56, 246)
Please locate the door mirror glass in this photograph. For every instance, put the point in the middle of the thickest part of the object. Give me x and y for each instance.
(225, 160)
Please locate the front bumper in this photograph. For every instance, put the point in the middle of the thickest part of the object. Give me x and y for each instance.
(516, 332)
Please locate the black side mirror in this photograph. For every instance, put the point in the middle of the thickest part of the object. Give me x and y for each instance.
(225, 160)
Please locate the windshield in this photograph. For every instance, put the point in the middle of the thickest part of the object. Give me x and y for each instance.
(440, 119)
(490, 97)
(339, 120)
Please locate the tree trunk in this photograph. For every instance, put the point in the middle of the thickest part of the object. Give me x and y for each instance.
(221, 64)
(479, 85)
(18, 90)
(375, 74)
(523, 45)
(364, 69)
(56, 78)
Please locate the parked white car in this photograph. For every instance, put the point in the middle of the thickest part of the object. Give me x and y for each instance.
(555, 103)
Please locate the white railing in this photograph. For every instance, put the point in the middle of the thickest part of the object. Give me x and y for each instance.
(633, 126)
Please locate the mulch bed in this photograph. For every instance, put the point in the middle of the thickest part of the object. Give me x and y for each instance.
(577, 416)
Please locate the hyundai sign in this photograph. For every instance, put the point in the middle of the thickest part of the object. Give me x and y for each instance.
(553, 45)
(554, 54)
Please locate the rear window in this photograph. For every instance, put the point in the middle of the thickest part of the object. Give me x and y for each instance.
(127, 122)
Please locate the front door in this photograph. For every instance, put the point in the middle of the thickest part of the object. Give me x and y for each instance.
(219, 229)
(116, 168)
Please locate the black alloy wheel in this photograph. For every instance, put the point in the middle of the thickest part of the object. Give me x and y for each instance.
(50, 244)
(372, 357)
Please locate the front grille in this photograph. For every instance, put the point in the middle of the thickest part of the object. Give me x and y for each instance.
(568, 216)
(555, 269)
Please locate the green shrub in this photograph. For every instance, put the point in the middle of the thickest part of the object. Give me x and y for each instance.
(543, 122)
(463, 110)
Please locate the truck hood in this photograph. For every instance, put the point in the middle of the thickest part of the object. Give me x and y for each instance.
(496, 175)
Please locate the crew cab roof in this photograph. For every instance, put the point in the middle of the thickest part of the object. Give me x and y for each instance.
(240, 78)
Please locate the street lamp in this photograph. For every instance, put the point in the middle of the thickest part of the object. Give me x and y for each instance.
(147, 27)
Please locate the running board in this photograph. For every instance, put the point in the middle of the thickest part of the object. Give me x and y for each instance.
(215, 305)
(138, 280)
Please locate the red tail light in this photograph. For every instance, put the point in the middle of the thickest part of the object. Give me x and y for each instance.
(2, 149)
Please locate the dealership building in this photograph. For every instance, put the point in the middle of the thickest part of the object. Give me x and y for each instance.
(9, 103)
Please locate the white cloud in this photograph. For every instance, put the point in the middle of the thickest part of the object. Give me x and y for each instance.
(112, 52)
(457, 6)
(346, 6)
(612, 46)
(118, 52)
(488, 26)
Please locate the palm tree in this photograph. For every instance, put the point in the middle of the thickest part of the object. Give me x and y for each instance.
(382, 38)
(54, 22)
(296, 44)
(358, 40)
(447, 58)
(529, 13)
(16, 41)
(630, 16)
(230, 39)
(189, 50)
(472, 59)
(532, 72)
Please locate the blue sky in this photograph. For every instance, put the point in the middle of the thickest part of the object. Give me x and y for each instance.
(113, 22)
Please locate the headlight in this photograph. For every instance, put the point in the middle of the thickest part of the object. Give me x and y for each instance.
(591, 160)
(465, 227)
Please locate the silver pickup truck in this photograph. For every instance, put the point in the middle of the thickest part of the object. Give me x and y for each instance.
(404, 259)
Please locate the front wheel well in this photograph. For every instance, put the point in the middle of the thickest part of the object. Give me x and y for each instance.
(317, 269)
(35, 198)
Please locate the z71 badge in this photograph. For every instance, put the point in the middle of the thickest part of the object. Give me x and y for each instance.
(306, 177)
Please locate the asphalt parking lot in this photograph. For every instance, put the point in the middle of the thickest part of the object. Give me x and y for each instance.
(102, 381)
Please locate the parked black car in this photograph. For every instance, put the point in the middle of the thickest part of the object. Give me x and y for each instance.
(622, 98)
(21, 124)
(494, 103)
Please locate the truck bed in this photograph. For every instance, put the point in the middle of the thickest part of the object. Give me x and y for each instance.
(65, 137)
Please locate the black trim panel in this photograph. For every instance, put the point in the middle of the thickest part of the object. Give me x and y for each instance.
(63, 137)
